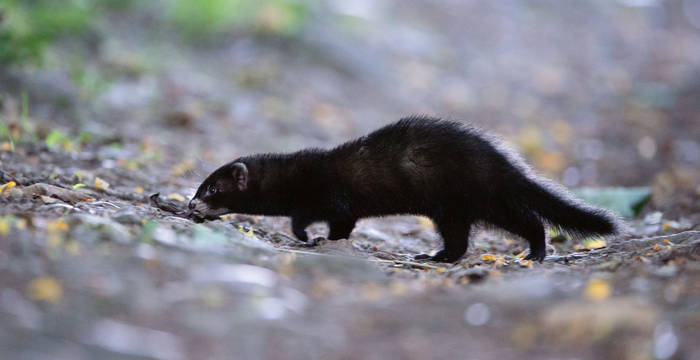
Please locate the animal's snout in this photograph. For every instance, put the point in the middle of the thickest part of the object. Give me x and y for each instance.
(193, 203)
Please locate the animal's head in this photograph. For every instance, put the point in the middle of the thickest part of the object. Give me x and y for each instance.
(221, 192)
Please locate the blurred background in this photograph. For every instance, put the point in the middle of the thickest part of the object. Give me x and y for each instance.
(593, 93)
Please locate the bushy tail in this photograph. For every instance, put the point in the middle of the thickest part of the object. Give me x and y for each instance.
(556, 206)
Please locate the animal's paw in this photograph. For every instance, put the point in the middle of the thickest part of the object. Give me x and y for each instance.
(536, 255)
(313, 242)
(440, 256)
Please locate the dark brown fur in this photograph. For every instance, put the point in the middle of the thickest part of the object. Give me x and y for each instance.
(445, 170)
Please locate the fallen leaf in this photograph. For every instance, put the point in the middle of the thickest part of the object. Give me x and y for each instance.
(182, 167)
(247, 233)
(440, 270)
(138, 190)
(598, 289)
(488, 257)
(226, 217)
(57, 225)
(7, 146)
(526, 263)
(595, 244)
(175, 196)
(45, 288)
(4, 226)
(100, 184)
(7, 186)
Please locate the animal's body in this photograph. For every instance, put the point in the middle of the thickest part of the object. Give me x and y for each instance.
(452, 173)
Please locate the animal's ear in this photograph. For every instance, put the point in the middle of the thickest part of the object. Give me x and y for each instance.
(240, 175)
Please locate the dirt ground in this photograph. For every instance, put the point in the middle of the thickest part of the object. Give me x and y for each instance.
(592, 94)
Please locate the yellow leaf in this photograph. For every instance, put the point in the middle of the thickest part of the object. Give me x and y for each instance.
(21, 224)
(4, 226)
(598, 289)
(667, 241)
(57, 225)
(488, 257)
(138, 190)
(595, 244)
(176, 196)
(7, 186)
(101, 184)
(247, 233)
(182, 167)
(7, 146)
(440, 270)
(526, 263)
(657, 247)
(45, 288)
(226, 217)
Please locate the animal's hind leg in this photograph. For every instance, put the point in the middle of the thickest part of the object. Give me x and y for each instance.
(340, 229)
(527, 225)
(455, 235)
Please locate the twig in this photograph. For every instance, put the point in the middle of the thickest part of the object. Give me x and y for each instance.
(385, 261)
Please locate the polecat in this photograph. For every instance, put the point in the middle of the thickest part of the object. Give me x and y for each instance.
(450, 172)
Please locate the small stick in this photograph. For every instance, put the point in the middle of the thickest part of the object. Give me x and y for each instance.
(385, 261)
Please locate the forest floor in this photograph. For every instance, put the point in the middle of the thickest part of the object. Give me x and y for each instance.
(104, 274)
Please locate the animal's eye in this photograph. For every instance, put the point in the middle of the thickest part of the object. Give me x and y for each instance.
(212, 190)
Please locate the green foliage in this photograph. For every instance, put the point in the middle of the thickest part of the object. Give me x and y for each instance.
(27, 27)
(55, 139)
(148, 230)
(198, 18)
(627, 202)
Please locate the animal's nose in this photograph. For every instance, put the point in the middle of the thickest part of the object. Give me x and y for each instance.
(193, 203)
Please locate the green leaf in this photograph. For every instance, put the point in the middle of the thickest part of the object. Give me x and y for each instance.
(627, 202)
(54, 139)
(78, 186)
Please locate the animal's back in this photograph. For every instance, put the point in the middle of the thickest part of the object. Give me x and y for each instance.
(417, 163)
